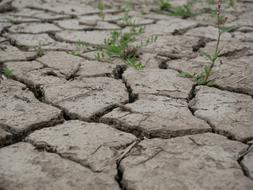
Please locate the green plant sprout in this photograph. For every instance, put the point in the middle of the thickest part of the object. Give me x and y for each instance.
(11, 20)
(211, 1)
(101, 8)
(221, 20)
(165, 5)
(81, 47)
(7, 72)
(230, 3)
(118, 45)
(203, 78)
(127, 6)
(39, 50)
(126, 19)
(183, 11)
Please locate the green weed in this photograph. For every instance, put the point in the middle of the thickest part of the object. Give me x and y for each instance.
(203, 78)
(118, 45)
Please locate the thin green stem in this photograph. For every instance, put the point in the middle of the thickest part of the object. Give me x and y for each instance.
(215, 56)
(219, 35)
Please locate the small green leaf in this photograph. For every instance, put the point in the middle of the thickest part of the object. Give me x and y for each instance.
(200, 79)
(210, 83)
(186, 75)
(75, 53)
(135, 63)
(204, 54)
(207, 69)
(228, 29)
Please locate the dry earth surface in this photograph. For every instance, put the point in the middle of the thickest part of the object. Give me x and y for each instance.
(75, 123)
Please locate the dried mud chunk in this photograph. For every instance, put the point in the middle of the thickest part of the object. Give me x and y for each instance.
(5, 137)
(87, 98)
(158, 82)
(165, 27)
(30, 40)
(90, 37)
(90, 144)
(34, 74)
(65, 63)
(247, 163)
(156, 116)
(42, 170)
(6, 5)
(204, 161)
(21, 111)
(229, 113)
(90, 68)
(11, 53)
(34, 28)
(208, 32)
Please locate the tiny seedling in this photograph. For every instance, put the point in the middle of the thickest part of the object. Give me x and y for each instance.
(81, 47)
(39, 51)
(127, 6)
(203, 78)
(101, 8)
(126, 19)
(165, 5)
(211, 2)
(221, 20)
(7, 72)
(229, 3)
(11, 20)
(184, 11)
(232, 3)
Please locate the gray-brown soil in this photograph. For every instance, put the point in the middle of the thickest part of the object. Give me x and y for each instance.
(72, 122)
